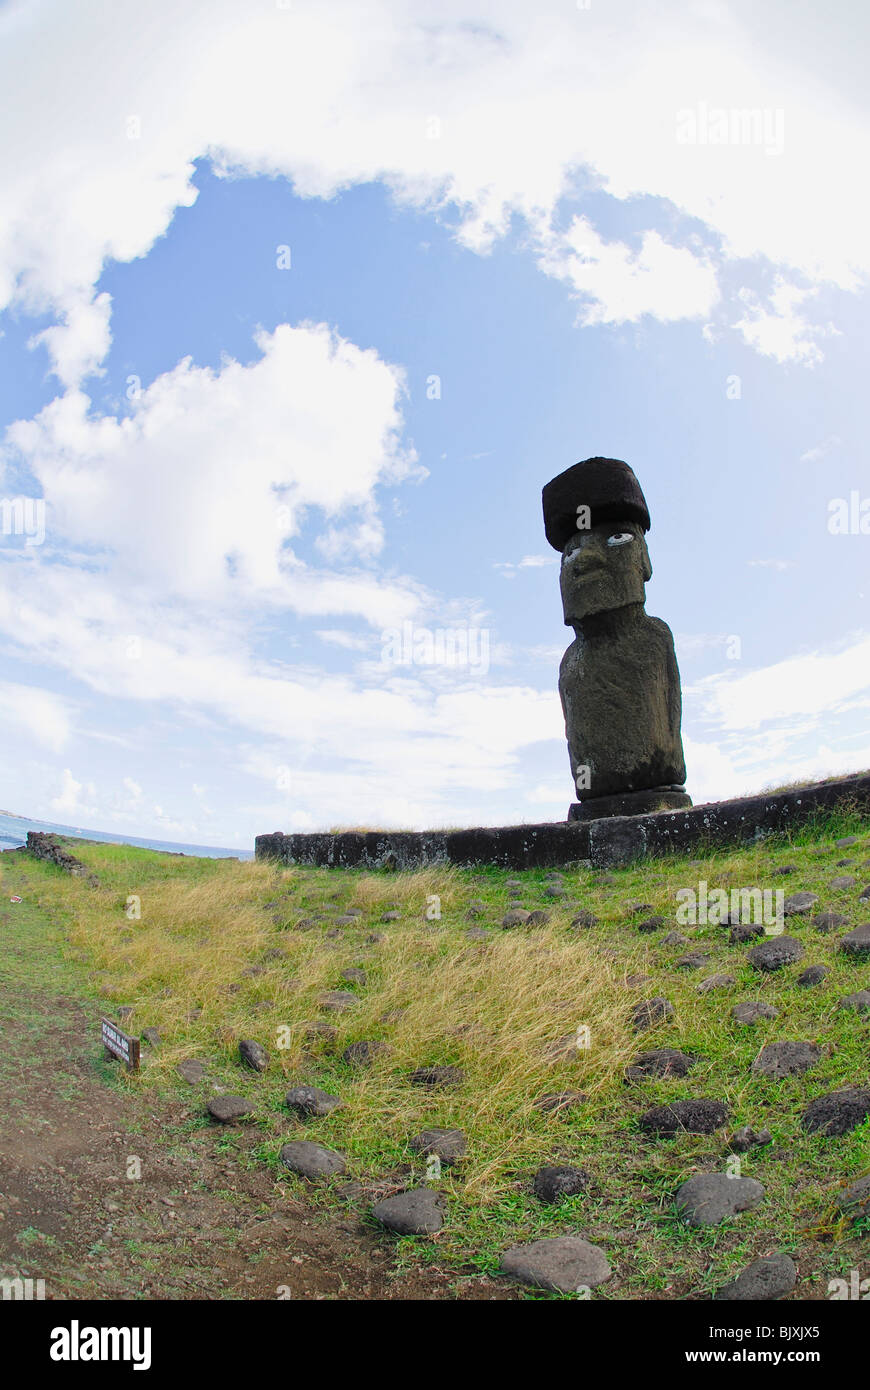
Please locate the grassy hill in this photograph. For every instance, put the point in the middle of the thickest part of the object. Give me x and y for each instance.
(227, 951)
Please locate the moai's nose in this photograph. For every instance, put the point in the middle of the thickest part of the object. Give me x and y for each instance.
(588, 556)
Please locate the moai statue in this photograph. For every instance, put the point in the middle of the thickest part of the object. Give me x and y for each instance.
(619, 680)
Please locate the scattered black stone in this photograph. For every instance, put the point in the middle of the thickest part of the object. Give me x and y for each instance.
(353, 912)
(763, 1281)
(649, 1012)
(685, 1117)
(538, 918)
(838, 1112)
(715, 982)
(311, 1101)
(633, 908)
(374, 938)
(842, 882)
(253, 1054)
(636, 981)
(813, 975)
(324, 1032)
(784, 869)
(477, 934)
(552, 1184)
(312, 1160)
(841, 863)
(662, 1061)
(846, 842)
(562, 1263)
(337, 1000)
(554, 1102)
(727, 919)
(781, 1059)
(675, 938)
(775, 953)
(274, 953)
(854, 1200)
(125, 1010)
(345, 920)
(151, 1036)
(796, 904)
(191, 1071)
(555, 890)
(857, 942)
(860, 1001)
(693, 961)
(418, 1212)
(229, 1109)
(742, 1140)
(862, 897)
(709, 1198)
(354, 975)
(517, 917)
(743, 932)
(306, 923)
(514, 883)
(829, 921)
(449, 1145)
(584, 918)
(433, 1078)
(391, 916)
(651, 924)
(363, 1053)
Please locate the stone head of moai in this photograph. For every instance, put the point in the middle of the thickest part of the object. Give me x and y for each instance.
(603, 568)
(619, 681)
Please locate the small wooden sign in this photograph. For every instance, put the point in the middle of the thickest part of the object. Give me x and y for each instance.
(120, 1044)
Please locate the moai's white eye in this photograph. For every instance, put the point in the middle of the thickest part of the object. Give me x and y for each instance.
(621, 538)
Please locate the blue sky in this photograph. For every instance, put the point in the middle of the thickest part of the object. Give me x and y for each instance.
(503, 257)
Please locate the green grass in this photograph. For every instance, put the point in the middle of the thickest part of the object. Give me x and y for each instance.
(492, 1008)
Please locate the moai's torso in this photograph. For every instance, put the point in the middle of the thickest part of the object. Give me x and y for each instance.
(620, 690)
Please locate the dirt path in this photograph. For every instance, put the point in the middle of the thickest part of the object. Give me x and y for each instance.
(197, 1223)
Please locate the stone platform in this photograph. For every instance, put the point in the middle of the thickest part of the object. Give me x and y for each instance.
(603, 843)
(631, 804)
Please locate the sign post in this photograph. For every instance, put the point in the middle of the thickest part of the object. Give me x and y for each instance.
(120, 1044)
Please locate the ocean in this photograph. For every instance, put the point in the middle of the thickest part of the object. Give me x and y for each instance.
(13, 833)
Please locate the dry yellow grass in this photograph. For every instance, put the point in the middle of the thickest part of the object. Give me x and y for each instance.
(494, 1008)
(506, 1010)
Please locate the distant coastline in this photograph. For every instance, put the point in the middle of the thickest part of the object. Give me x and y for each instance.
(13, 834)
